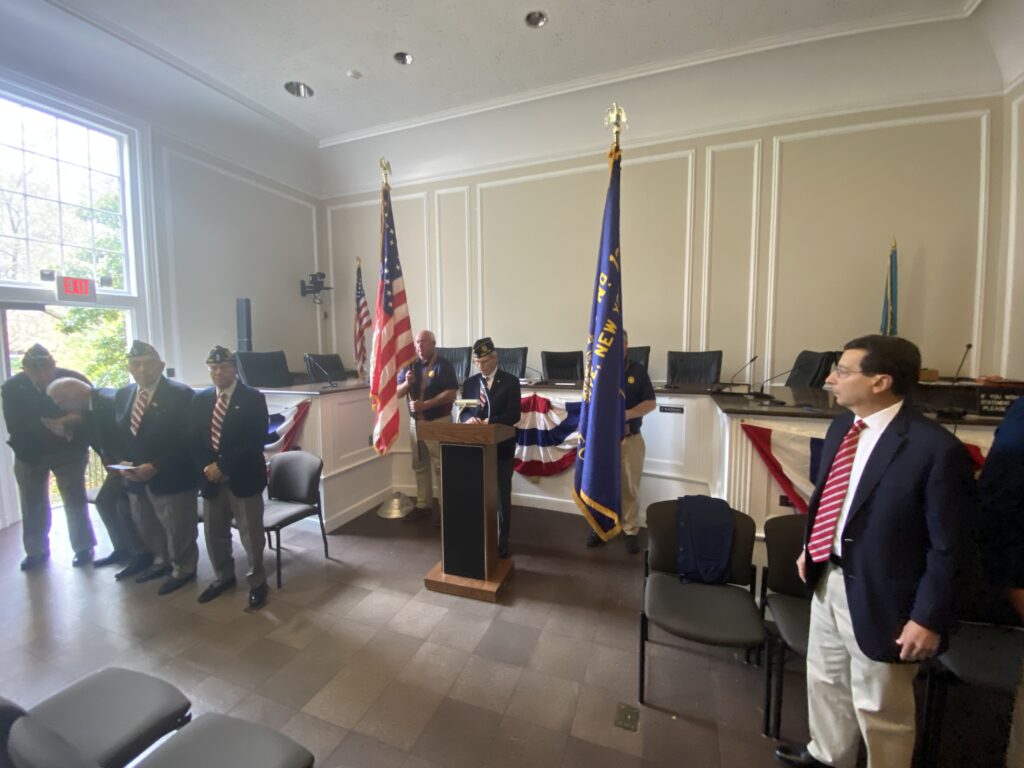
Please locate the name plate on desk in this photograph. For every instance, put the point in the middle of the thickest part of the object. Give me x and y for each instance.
(671, 409)
(995, 401)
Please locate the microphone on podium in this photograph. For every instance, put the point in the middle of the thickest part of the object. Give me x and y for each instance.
(760, 395)
(956, 376)
(719, 387)
(331, 383)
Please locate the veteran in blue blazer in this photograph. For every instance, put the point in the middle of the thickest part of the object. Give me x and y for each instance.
(880, 551)
(499, 398)
(229, 429)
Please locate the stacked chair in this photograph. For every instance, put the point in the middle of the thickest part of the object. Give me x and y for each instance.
(112, 717)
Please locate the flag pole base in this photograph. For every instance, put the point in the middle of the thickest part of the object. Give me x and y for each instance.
(395, 507)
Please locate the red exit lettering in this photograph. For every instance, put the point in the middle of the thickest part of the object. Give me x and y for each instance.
(76, 286)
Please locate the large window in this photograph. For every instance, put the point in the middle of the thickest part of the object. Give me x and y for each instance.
(62, 199)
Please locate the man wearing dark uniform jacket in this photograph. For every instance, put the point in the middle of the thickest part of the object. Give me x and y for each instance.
(94, 412)
(639, 394)
(229, 429)
(152, 419)
(431, 384)
(41, 446)
(499, 398)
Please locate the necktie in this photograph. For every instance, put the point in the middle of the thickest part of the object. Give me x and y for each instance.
(832, 498)
(139, 410)
(218, 419)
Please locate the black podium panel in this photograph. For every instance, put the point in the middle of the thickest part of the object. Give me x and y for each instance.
(462, 533)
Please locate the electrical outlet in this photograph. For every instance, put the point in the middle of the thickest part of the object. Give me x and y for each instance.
(784, 500)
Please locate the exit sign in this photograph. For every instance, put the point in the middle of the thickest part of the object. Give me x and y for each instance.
(76, 289)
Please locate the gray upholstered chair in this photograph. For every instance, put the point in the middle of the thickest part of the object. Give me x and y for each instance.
(461, 359)
(324, 368)
(694, 367)
(711, 614)
(512, 360)
(788, 599)
(213, 739)
(640, 355)
(108, 718)
(564, 366)
(293, 492)
(810, 369)
(263, 369)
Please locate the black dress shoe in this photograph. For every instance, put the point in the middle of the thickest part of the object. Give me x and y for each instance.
(173, 583)
(114, 558)
(417, 513)
(31, 561)
(632, 543)
(82, 558)
(593, 540)
(797, 756)
(135, 567)
(217, 589)
(258, 596)
(153, 572)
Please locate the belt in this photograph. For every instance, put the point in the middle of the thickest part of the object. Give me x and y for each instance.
(835, 559)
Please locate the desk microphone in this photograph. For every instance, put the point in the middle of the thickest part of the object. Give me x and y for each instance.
(967, 348)
(719, 387)
(331, 383)
(760, 395)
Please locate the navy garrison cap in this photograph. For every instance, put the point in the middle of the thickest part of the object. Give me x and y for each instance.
(142, 349)
(220, 354)
(37, 355)
(483, 347)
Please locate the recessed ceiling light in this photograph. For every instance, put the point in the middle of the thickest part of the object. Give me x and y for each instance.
(355, 74)
(536, 19)
(298, 90)
(403, 58)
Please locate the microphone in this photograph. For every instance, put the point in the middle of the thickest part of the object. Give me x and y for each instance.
(719, 387)
(331, 383)
(967, 348)
(760, 395)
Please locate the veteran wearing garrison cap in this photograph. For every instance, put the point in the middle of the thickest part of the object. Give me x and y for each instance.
(41, 445)
(229, 429)
(498, 396)
(152, 416)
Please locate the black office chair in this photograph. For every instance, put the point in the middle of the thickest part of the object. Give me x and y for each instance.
(109, 717)
(263, 369)
(293, 493)
(460, 358)
(640, 355)
(711, 614)
(694, 367)
(324, 368)
(512, 360)
(788, 599)
(810, 369)
(564, 366)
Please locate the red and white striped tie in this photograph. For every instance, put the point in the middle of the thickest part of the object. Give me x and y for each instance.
(218, 420)
(831, 503)
(139, 410)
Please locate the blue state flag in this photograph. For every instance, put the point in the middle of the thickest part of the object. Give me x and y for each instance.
(597, 486)
(890, 299)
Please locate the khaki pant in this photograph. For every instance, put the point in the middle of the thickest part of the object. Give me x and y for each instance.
(34, 491)
(169, 527)
(247, 512)
(850, 696)
(633, 451)
(115, 511)
(426, 465)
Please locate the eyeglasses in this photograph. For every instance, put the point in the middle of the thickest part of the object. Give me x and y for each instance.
(843, 373)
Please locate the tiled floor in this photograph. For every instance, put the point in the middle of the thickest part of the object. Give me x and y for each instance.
(357, 661)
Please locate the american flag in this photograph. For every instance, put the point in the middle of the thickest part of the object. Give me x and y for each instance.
(362, 321)
(392, 332)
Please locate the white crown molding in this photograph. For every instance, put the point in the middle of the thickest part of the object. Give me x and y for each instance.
(1018, 80)
(646, 70)
(1016, 107)
(983, 118)
(158, 53)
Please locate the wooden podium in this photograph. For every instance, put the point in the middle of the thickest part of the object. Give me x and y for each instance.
(470, 566)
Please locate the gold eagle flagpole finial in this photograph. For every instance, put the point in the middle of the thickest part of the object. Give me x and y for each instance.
(385, 170)
(616, 119)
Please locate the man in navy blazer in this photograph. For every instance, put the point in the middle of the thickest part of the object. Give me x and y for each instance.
(229, 429)
(152, 416)
(499, 398)
(880, 551)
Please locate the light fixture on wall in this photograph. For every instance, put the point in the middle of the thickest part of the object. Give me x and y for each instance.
(403, 58)
(298, 90)
(536, 19)
(314, 287)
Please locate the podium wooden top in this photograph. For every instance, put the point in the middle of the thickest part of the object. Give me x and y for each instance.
(465, 434)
